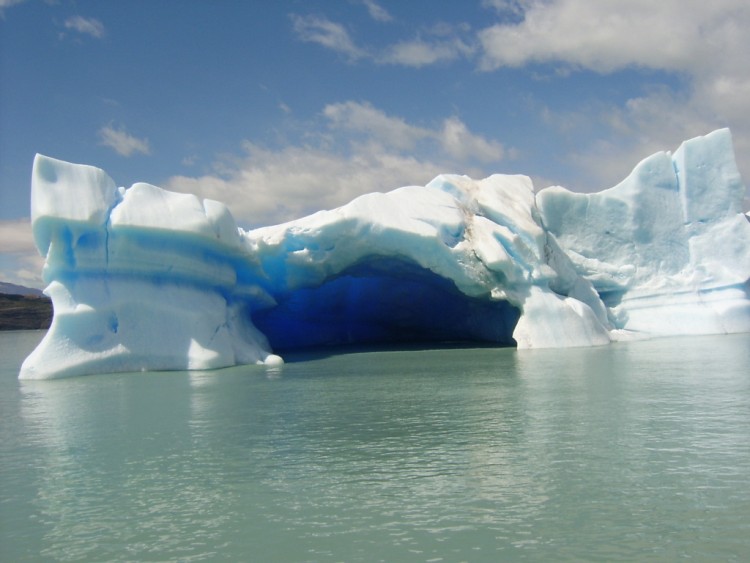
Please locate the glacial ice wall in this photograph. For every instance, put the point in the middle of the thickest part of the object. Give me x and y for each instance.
(667, 249)
(145, 279)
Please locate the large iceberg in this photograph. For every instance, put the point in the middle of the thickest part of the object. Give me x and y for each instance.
(146, 279)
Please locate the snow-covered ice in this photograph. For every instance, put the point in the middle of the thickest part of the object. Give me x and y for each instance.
(146, 279)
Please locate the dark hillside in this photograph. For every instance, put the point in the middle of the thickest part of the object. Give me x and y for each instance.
(15, 289)
(24, 312)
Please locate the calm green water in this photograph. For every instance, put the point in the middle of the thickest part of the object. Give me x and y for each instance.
(635, 451)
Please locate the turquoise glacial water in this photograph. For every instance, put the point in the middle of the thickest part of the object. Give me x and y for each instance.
(632, 452)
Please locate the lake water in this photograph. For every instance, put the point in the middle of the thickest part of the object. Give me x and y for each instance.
(637, 451)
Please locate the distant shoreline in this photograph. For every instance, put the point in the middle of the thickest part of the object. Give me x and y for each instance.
(24, 312)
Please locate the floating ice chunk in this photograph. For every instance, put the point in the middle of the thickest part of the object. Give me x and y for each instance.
(543, 315)
(273, 361)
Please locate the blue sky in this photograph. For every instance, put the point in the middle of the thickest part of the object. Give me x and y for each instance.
(280, 108)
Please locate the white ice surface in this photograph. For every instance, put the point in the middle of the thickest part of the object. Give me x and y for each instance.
(145, 279)
(667, 249)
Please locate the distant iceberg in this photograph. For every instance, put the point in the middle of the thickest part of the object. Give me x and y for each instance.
(146, 279)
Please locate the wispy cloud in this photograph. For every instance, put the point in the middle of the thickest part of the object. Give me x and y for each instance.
(85, 26)
(441, 43)
(5, 4)
(362, 149)
(376, 11)
(508, 7)
(452, 139)
(122, 142)
(329, 34)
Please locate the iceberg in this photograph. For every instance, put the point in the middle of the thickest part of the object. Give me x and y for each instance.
(146, 279)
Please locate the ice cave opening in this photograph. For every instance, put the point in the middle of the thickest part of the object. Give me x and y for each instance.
(385, 301)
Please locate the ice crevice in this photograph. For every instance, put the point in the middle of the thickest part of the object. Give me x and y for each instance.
(142, 278)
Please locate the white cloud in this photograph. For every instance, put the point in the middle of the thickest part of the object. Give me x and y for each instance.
(376, 11)
(20, 262)
(441, 43)
(515, 8)
(606, 36)
(86, 26)
(454, 138)
(462, 144)
(329, 34)
(5, 4)
(22, 269)
(15, 236)
(365, 118)
(270, 186)
(122, 142)
(363, 150)
(655, 122)
(703, 43)
(420, 52)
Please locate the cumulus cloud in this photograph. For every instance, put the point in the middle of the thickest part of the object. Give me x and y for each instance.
(658, 121)
(607, 36)
(268, 186)
(86, 26)
(122, 142)
(703, 43)
(362, 150)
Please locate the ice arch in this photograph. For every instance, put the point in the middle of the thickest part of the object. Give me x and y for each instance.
(384, 301)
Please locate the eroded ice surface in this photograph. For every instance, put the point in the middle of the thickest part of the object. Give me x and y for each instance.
(667, 249)
(142, 278)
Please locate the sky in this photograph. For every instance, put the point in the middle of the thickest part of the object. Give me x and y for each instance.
(281, 108)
